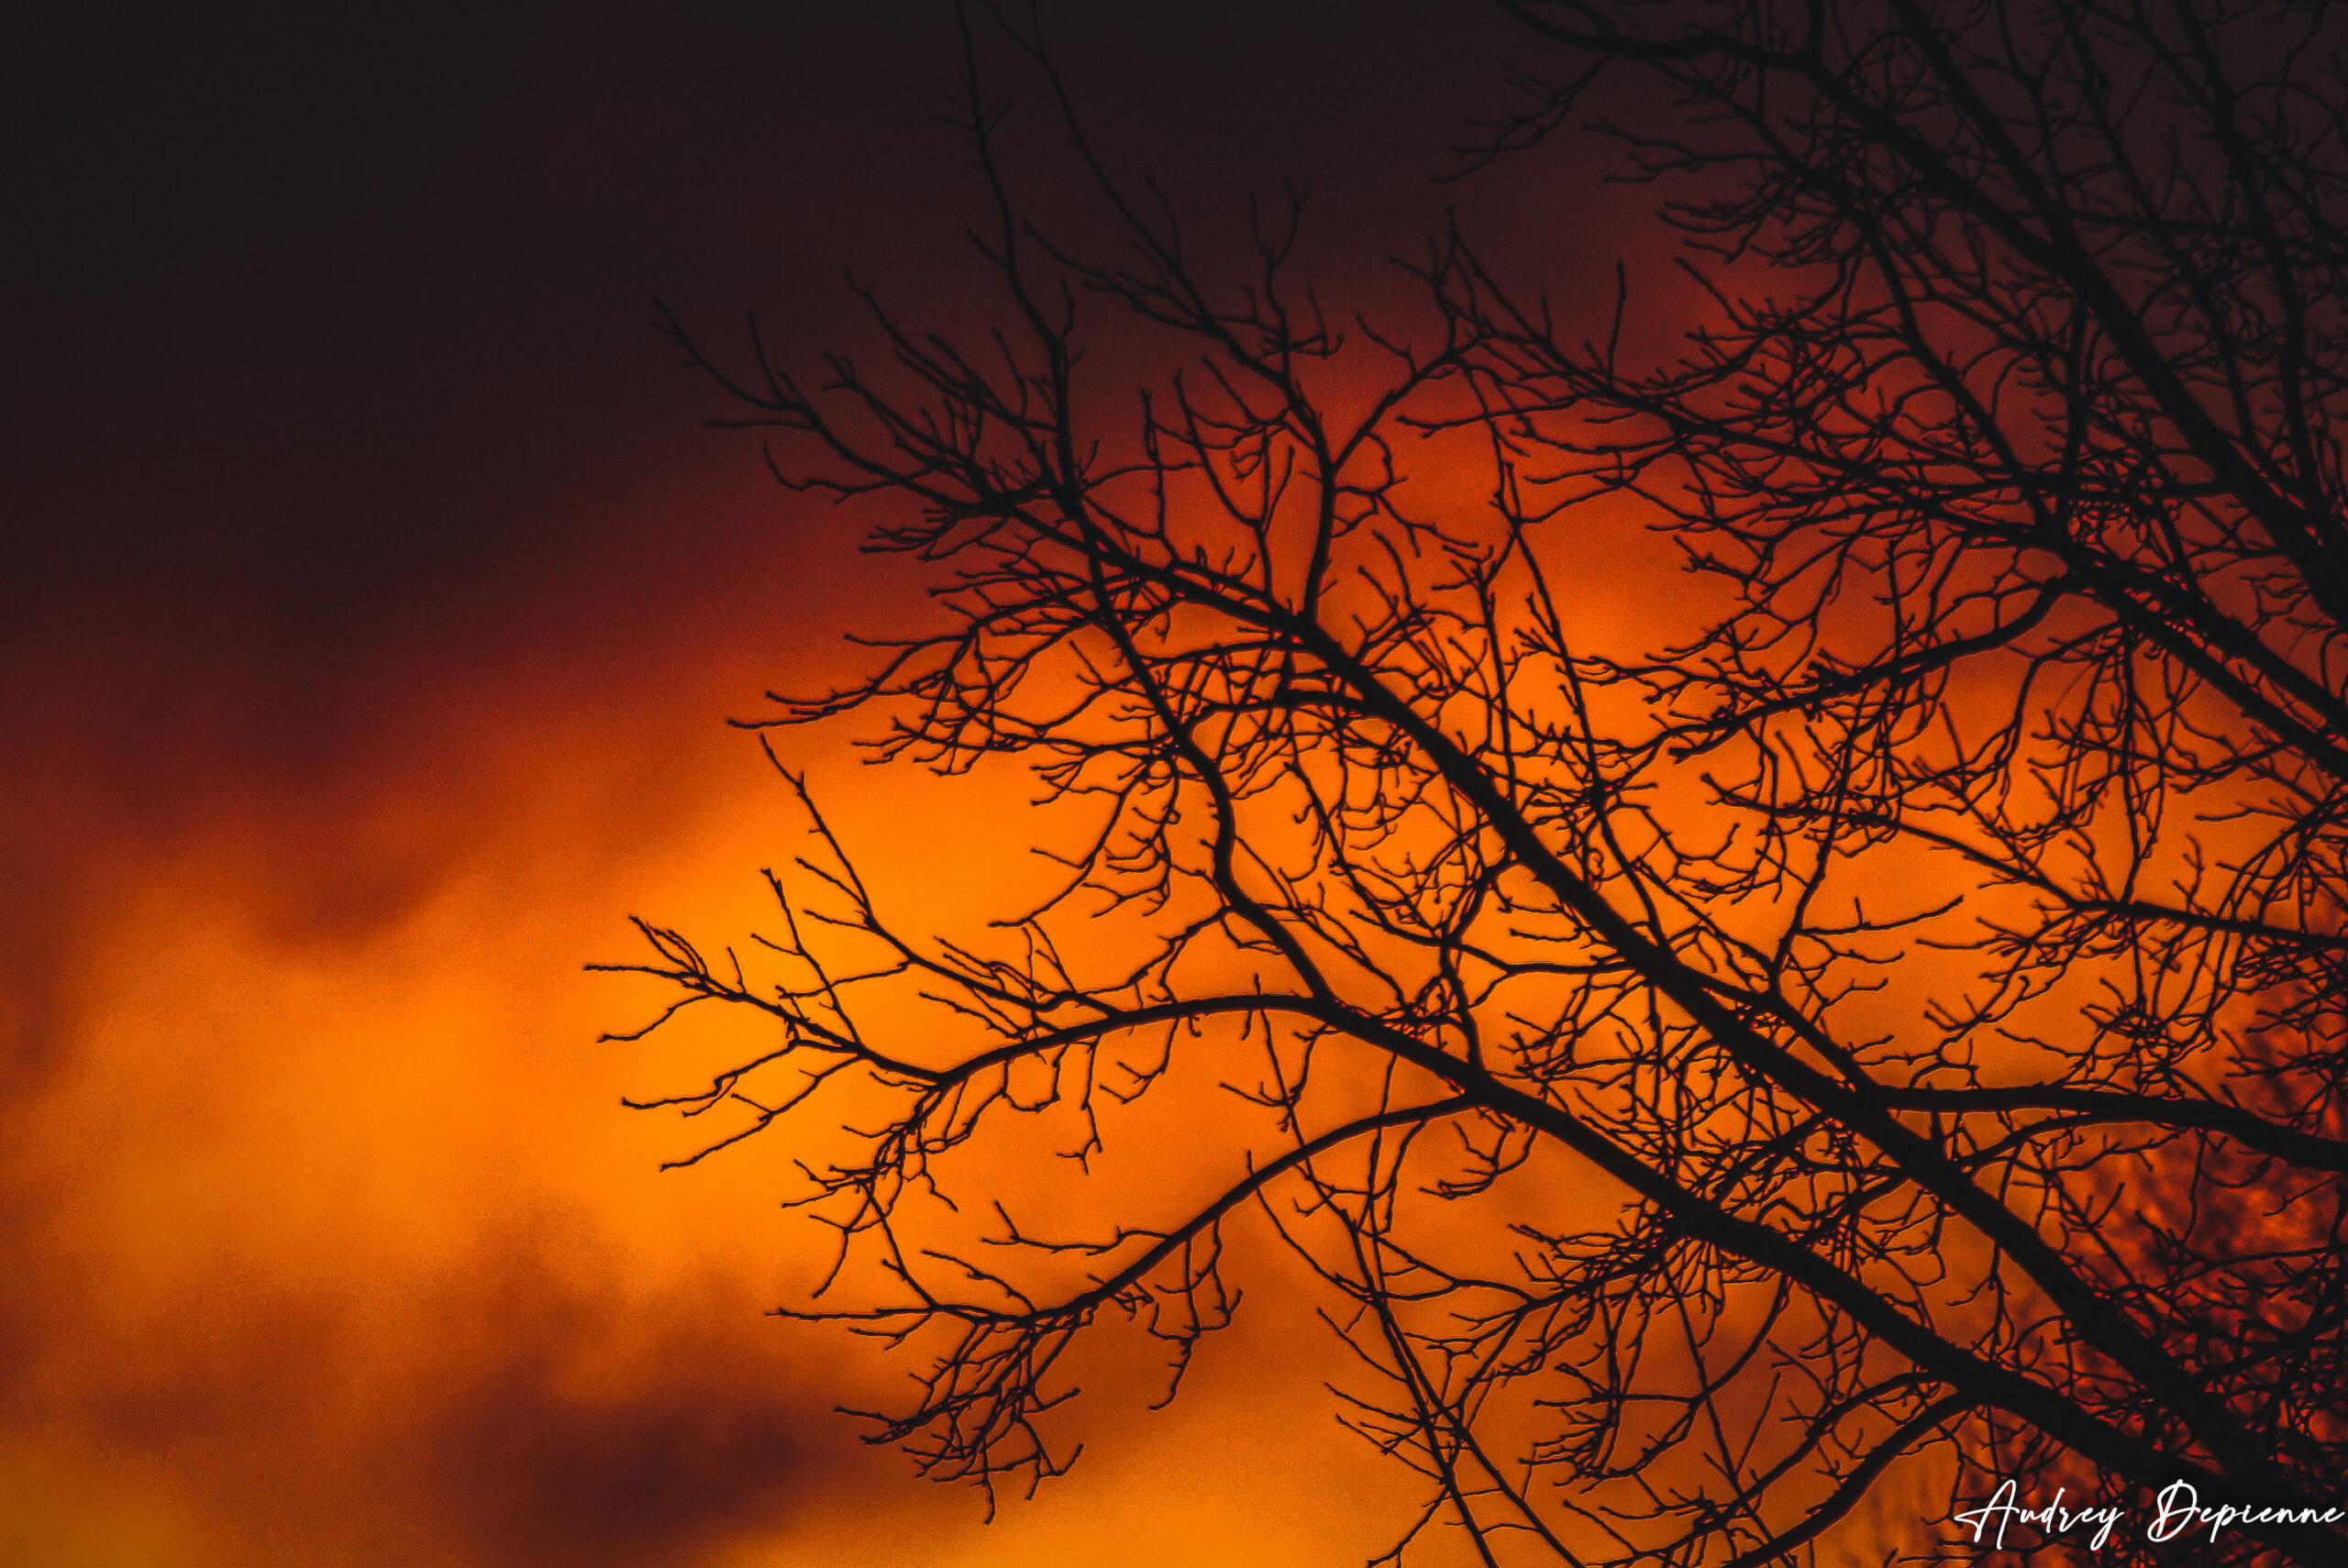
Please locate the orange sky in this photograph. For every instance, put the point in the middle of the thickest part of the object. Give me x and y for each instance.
(372, 609)
(335, 1246)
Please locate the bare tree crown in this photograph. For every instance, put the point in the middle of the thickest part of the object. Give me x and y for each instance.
(1893, 1029)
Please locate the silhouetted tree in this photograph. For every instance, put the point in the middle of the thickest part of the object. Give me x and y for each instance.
(1893, 1030)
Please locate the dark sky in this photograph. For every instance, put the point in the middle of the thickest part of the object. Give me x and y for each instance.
(329, 337)
(330, 323)
(330, 350)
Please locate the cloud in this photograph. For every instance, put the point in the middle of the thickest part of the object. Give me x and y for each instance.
(492, 1410)
(596, 1436)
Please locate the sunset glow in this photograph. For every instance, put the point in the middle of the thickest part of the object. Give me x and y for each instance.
(1669, 847)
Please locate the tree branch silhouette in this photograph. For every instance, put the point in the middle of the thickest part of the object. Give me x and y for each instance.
(1929, 965)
